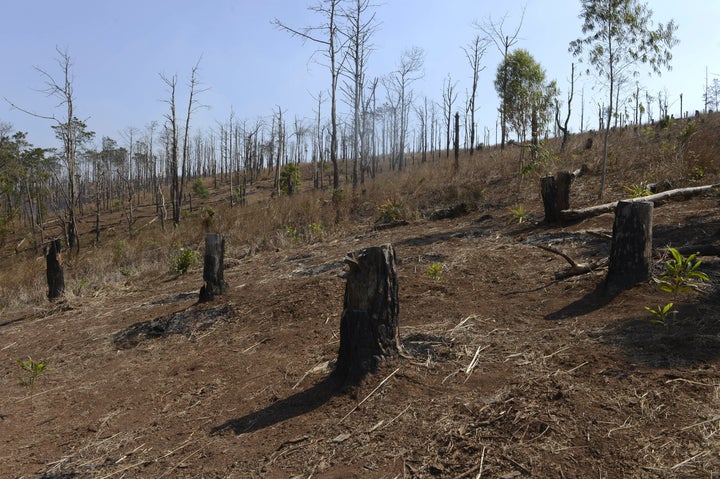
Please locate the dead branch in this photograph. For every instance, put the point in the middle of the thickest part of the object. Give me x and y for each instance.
(679, 193)
(576, 269)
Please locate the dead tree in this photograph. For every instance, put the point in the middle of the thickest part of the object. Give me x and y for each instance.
(213, 267)
(555, 192)
(631, 247)
(369, 323)
(55, 276)
(680, 193)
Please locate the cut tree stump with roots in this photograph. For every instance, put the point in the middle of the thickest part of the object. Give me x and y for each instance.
(213, 270)
(631, 248)
(369, 324)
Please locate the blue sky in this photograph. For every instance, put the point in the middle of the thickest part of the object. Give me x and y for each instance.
(120, 48)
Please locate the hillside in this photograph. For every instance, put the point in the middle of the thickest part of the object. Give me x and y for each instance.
(510, 372)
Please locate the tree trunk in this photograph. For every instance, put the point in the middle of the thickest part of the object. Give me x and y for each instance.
(55, 277)
(214, 267)
(369, 323)
(631, 248)
(555, 192)
(457, 142)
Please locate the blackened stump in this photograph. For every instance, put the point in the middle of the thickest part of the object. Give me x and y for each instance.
(213, 267)
(55, 276)
(369, 323)
(555, 192)
(631, 248)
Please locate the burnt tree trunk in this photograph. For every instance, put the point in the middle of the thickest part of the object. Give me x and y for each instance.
(213, 267)
(55, 275)
(631, 248)
(369, 323)
(555, 192)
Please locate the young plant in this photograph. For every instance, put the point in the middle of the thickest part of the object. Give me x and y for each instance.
(389, 211)
(518, 214)
(183, 260)
(33, 371)
(638, 190)
(662, 313)
(681, 274)
(435, 271)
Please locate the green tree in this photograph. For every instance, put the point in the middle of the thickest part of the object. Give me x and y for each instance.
(527, 97)
(619, 36)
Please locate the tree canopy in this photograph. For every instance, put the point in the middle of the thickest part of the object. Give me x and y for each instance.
(525, 93)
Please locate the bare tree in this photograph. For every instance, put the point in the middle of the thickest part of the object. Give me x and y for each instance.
(328, 9)
(66, 128)
(409, 70)
(474, 53)
(449, 97)
(495, 32)
(564, 127)
(358, 33)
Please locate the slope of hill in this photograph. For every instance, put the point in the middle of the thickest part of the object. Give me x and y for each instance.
(511, 372)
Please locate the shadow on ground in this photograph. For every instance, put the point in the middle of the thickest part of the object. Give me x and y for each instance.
(284, 409)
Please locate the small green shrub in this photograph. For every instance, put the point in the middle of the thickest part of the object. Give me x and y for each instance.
(681, 274)
(200, 189)
(183, 259)
(33, 370)
(292, 233)
(290, 175)
(435, 271)
(518, 214)
(389, 211)
(638, 190)
(662, 313)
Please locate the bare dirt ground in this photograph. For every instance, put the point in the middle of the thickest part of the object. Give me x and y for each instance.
(512, 373)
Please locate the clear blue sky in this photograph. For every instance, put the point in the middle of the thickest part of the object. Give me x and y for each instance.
(119, 49)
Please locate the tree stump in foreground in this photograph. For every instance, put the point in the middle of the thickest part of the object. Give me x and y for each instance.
(213, 267)
(555, 192)
(369, 323)
(55, 275)
(631, 248)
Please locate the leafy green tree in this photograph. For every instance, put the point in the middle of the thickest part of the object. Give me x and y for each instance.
(618, 36)
(525, 93)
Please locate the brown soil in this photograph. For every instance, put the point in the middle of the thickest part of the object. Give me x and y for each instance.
(511, 373)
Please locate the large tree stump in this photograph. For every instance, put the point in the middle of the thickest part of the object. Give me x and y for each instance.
(213, 267)
(55, 275)
(369, 323)
(555, 192)
(631, 247)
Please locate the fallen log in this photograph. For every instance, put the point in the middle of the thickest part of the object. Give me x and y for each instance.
(589, 212)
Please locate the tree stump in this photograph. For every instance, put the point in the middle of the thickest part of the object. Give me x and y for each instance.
(631, 247)
(555, 192)
(213, 267)
(55, 275)
(369, 323)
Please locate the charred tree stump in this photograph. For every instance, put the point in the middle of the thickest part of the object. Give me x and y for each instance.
(213, 267)
(55, 275)
(369, 323)
(555, 192)
(631, 247)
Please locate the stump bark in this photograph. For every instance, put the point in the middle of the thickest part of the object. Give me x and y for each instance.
(213, 269)
(631, 247)
(55, 275)
(555, 192)
(369, 324)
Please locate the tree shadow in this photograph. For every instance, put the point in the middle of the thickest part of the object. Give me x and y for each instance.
(281, 410)
(591, 302)
(692, 338)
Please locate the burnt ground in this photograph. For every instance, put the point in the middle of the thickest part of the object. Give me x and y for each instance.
(510, 371)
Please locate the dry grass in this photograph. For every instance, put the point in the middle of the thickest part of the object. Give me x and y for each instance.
(683, 153)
